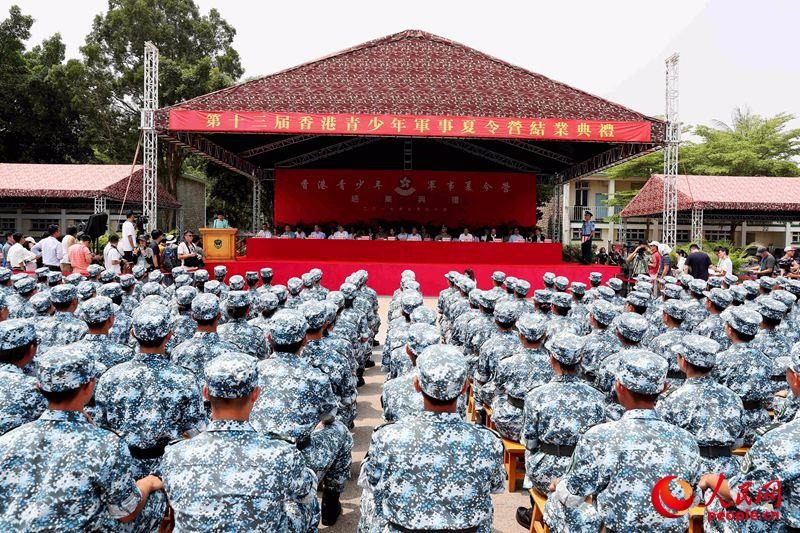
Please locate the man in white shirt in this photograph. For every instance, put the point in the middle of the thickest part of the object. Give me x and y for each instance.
(340, 233)
(265, 233)
(128, 237)
(402, 235)
(466, 236)
(516, 237)
(414, 236)
(18, 255)
(52, 251)
(112, 256)
(317, 233)
(724, 265)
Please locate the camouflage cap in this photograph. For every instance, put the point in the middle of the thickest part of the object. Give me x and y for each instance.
(138, 271)
(348, 290)
(632, 326)
(238, 299)
(151, 287)
(296, 284)
(316, 274)
(794, 358)
(672, 291)
(499, 276)
(178, 270)
(522, 287)
(16, 277)
(566, 347)
(642, 371)
(331, 310)
(407, 274)
(669, 279)
(615, 284)
(220, 270)
(442, 371)
(561, 283)
(280, 291)
(751, 286)
(4, 300)
(41, 272)
(183, 280)
(722, 298)
(420, 336)
(714, 282)
(467, 284)
(738, 293)
(685, 279)
(107, 276)
(409, 284)
(766, 282)
(185, 295)
(771, 308)
(532, 326)
(474, 297)
(423, 315)
(307, 279)
(5, 274)
(561, 299)
(409, 301)
(39, 301)
(743, 319)
(16, 332)
(236, 283)
(542, 296)
(74, 278)
(94, 270)
(54, 277)
(577, 287)
(510, 282)
(488, 299)
(96, 310)
(112, 290)
(251, 275)
(785, 297)
(265, 272)
(644, 286)
(597, 277)
(730, 279)
(64, 368)
(638, 298)
(315, 314)
(606, 293)
(155, 276)
(63, 294)
(793, 286)
(153, 299)
(213, 286)
(200, 275)
(266, 301)
(643, 277)
(151, 322)
(127, 280)
(602, 311)
(86, 290)
(506, 312)
(675, 308)
(205, 306)
(288, 327)
(697, 286)
(698, 350)
(549, 278)
(25, 285)
(231, 375)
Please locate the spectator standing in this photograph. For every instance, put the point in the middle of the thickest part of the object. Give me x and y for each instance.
(188, 254)
(681, 262)
(68, 240)
(52, 251)
(80, 257)
(143, 254)
(112, 255)
(697, 263)
(128, 237)
(655, 258)
(665, 263)
(587, 232)
(766, 267)
(19, 255)
(8, 244)
(724, 264)
(155, 246)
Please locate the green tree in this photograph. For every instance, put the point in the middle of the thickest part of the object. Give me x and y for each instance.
(196, 57)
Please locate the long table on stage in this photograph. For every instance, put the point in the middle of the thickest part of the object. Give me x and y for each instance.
(385, 260)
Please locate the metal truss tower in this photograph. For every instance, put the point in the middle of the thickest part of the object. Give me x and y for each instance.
(673, 138)
(257, 188)
(148, 127)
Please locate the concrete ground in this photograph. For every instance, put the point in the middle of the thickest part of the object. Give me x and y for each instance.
(369, 416)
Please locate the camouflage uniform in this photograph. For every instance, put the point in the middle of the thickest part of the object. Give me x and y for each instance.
(20, 400)
(504, 342)
(184, 326)
(772, 342)
(601, 341)
(63, 327)
(248, 338)
(619, 463)
(463, 462)
(19, 305)
(107, 352)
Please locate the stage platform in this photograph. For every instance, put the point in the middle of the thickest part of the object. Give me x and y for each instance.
(385, 260)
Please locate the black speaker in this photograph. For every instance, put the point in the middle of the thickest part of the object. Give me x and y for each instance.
(96, 225)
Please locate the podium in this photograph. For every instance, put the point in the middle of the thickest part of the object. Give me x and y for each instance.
(219, 244)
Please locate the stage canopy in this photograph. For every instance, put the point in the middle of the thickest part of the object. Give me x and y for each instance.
(411, 100)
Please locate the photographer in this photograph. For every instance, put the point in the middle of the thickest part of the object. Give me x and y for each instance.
(143, 254)
(112, 257)
(188, 253)
(637, 260)
(788, 263)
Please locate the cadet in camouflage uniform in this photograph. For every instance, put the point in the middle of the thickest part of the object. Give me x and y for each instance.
(98, 313)
(220, 271)
(62, 473)
(521, 290)
(774, 455)
(555, 415)
(616, 285)
(744, 369)
(445, 293)
(41, 279)
(267, 305)
(618, 463)
(297, 402)
(353, 324)
(595, 279)
(541, 300)
(266, 275)
(63, 327)
(459, 325)
(674, 315)
(19, 304)
(20, 400)
(503, 342)
(399, 398)
(602, 340)
(560, 318)
(231, 477)
(184, 326)
(463, 462)
(789, 325)
(771, 341)
(121, 329)
(147, 399)
(713, 327)
(42, 305)
(4, 306)
(526, 369)
(206, 343)
(295, 287)
(129, 301)
(248, 338)
(5, 282)
(401, 363)
(696, 311)
(323, 356)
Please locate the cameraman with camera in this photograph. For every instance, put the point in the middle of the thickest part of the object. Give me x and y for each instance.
(637, 260)
(788, 263)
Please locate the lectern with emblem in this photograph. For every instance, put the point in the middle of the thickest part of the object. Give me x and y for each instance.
(219, 243)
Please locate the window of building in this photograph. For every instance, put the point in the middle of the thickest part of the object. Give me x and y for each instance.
(796, 237)
(576, 234)
(682, 236)
(636, 235)
(582, 193)
(41, 224)
(716, 234)
(7, 224)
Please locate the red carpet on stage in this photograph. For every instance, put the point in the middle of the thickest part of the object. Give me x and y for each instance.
(385, 260)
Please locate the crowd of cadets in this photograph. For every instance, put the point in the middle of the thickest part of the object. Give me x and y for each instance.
(228, 404)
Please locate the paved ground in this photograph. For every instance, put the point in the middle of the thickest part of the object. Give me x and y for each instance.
(369, 416)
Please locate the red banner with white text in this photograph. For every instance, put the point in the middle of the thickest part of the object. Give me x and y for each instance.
(415, 125)
(425, 196)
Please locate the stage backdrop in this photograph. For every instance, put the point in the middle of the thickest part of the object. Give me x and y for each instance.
(438, 197)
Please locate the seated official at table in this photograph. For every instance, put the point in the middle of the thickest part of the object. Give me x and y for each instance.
(414, 235)
(288, 233)
(491, 235)
(442, 235)
(317, 233)
(340, 233)
(515, 236)
(466, 236)
(265, 232)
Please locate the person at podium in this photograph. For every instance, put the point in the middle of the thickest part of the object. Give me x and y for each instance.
(220, 221)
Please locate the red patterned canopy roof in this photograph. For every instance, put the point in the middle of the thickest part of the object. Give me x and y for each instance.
(720, 193)
(76, 181)
(413, 73)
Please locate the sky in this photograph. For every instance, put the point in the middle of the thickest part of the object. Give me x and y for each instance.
(732, 52)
